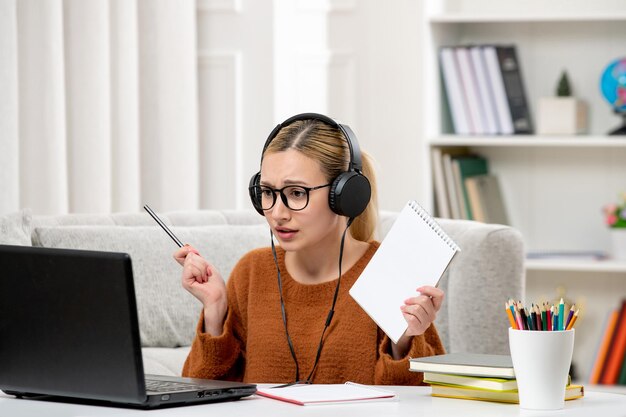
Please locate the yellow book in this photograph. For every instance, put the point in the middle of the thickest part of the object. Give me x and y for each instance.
(494, 384)
(571, 393)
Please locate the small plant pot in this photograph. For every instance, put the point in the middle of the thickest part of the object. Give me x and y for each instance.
(618, 243)
(561, 116)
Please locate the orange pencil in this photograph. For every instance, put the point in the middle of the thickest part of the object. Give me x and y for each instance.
(573, 320)
(510, 315)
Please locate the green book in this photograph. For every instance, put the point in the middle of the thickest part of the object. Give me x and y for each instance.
(464, 167)
(622, 375)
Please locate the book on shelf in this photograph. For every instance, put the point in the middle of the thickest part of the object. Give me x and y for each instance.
(439, 184)
(456, 208)
(455, 94)
(471, 364)
(494, 384)
(616, 351)
(571, 392)
(486, 200)
(603, 346)
(503, 114)
(316, 394)
(466, 166)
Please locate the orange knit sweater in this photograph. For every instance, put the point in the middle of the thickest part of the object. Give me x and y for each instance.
(253, 346)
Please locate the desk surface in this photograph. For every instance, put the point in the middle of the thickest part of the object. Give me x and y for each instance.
(414, 401)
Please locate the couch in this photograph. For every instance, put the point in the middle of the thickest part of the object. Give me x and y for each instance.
(488, 271)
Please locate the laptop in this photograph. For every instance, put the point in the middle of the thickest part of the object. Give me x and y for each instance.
(69, 330)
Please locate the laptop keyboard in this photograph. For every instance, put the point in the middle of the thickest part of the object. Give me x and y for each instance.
(168, 386)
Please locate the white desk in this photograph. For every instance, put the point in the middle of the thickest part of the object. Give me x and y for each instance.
(414, 402)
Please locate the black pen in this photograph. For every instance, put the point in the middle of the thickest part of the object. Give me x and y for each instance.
(167, 230)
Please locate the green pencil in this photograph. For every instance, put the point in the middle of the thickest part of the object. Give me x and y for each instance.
(561, 314)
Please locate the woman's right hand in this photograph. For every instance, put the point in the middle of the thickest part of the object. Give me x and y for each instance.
(205, 283)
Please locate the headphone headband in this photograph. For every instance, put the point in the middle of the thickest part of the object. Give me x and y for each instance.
(349, 192)
(353, 145)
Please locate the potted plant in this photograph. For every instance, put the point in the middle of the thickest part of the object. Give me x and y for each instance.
(563, 114)
(615, 218)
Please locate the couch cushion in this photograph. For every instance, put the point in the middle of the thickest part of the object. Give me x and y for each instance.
(167, 313)
(15, 228)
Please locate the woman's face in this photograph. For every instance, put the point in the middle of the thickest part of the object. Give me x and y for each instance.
(307, 228)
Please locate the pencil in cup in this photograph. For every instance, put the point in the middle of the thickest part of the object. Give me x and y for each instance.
(544, 318)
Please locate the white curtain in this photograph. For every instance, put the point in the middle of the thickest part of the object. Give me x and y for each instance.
(98, 105)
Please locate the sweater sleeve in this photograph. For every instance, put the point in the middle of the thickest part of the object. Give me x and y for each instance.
(219, 357)
(396, 372)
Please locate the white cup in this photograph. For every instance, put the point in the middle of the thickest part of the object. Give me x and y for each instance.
(541, 360)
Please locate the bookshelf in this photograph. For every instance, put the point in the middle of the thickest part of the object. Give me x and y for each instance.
(553, 186)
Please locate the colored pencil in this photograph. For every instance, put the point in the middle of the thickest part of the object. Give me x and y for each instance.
(510, 315)
(561, 314)
(544, 317)
(569, 316)
(573, 320)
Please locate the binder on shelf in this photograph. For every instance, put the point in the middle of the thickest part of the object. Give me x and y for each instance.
(469, 83)
(415, 252)
(505, 121)
(514, 87)
(485, 91)
(603, 347)
(454, 91)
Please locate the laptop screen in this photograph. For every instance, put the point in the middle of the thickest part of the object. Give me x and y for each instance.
(68, 324)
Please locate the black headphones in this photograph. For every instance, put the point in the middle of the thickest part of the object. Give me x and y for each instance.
(349, 193)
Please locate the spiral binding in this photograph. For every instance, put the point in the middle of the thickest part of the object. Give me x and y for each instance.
(430, 221)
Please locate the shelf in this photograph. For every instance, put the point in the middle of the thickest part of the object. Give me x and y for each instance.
(600, 141)
(453, 18)
(579, 265)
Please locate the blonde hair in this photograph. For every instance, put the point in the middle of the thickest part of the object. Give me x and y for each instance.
(327, 145)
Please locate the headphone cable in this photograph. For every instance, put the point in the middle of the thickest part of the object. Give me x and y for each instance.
(328, 318)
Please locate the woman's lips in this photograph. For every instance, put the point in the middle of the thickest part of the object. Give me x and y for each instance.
(285, 234)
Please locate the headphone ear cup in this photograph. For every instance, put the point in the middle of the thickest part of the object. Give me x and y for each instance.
(253, 191)
(349, 194)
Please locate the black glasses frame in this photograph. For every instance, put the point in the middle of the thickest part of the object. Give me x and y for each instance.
(283, 197)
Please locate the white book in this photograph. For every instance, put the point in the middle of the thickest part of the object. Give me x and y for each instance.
(415, 252)
(505, 120)
(470, 87)
(439, 183)
(485, 91)
(448, 175)
(454, 91)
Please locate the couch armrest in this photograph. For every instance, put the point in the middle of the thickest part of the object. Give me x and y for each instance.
(483, 276)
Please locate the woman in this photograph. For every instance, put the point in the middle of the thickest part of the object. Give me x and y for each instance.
(286, 315)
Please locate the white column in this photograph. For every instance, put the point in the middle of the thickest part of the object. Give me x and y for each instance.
(9, 145)
(169, 106)
(125, 186)
(42, 164)
(88, 104)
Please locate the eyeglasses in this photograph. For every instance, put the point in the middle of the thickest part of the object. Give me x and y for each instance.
(295, 197)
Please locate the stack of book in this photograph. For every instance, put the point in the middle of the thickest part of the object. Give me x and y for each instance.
(464, 187)
(484, 89)
(609, 366)
(475, 376)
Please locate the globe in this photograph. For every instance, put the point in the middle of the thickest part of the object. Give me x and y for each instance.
(613, 87)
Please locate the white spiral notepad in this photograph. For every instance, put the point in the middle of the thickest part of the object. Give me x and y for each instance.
(415, 252)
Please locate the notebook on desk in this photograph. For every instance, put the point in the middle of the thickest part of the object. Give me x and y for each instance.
(69, 329)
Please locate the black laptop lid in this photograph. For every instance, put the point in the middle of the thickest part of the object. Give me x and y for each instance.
(50, 300)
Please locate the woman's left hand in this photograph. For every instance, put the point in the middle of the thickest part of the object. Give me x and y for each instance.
(419, 312)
